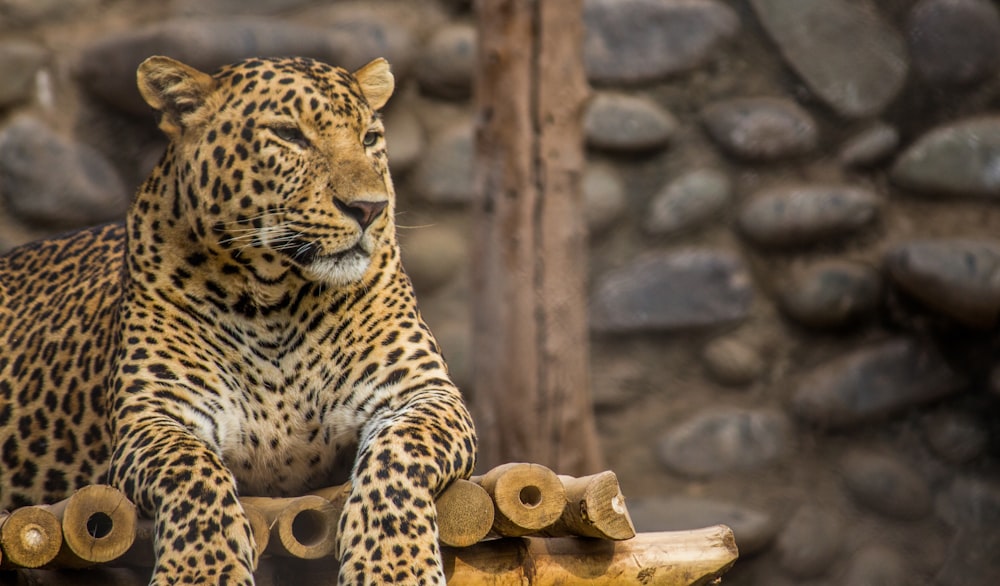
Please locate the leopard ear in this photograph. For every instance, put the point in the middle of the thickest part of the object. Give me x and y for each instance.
(376, 82)
(174, 90)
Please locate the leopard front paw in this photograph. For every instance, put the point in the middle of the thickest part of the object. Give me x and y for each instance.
(379, 543)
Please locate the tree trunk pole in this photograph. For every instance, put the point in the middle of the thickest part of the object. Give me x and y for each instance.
(532, 391)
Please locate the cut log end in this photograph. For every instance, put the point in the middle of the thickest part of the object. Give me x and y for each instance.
(528, 497)
(595, 508)
(98, 525)
(31, 538)
(465, 514)
(304, 527)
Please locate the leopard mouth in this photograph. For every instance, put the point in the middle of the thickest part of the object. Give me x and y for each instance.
(307, 253)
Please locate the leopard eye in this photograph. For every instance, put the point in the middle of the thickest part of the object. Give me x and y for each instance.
(371, 137)
(291, 134)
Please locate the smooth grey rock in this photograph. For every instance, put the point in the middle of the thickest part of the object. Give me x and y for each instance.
(444, 173)
(885, 485)
(689, 201)
(831, 294)
(20, 61)
(432, 255)
(106, 68)
(754, 529)
(447, 63)
(954, 41)
(404, 137)
(970, 501)
(957, 277)
(731, 361)
(672, 291)
(760, 129)
(23, 13)
(619, 122)
(971, 559)
(961, 158)
(877, 565)
(955, 436)
(724, 440)
(874, 382)
(870, 146)
(633, 41)
(49, 180)
(603, 197)
(810, 542)
(847, 55)
(799, 215)
(229, 7)
(972, 507)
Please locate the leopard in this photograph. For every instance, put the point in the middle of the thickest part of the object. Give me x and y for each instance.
(247, 325)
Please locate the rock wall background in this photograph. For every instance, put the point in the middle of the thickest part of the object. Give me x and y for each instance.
(794, 239)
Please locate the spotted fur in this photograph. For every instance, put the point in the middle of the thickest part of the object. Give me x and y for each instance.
(248, 324)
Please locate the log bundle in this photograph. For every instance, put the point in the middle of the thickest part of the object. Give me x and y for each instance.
(517, 524)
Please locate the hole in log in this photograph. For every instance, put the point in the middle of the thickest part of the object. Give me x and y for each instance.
(99, 525)
(309, 528)
(531, 496)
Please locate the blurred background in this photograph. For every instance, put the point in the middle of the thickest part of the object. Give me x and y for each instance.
(794, 239)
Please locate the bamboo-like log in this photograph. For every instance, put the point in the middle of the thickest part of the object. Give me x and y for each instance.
(528, 497)
(304, 527)
(464, 511)
(465, 514)
(98, 525)
(675, 558)
(30, 537)
(595, 507)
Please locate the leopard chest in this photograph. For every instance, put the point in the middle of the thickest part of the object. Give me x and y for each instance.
(284, 423)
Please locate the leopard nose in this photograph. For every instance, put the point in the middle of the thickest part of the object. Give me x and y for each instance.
(364, 212)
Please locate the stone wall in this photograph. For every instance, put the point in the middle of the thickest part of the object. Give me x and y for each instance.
(795, 262)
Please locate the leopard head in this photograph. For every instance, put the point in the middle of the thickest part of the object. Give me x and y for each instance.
(278, 162)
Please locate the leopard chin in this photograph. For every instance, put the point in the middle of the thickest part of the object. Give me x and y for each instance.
(340, 269)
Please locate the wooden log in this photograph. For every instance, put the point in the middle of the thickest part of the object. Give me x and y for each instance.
(465, 511)
(30, 537)
(595, 507)
(676, 558)
(98, 525)
(465, 514)
(528, 497)
(304, 527)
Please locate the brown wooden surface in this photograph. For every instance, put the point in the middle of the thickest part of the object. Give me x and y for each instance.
(678, 558)
(532, 391)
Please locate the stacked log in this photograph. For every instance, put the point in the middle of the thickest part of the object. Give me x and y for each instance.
(515, 519)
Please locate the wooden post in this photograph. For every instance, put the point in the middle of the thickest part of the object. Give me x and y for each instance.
(595, 507)
(30, 537)
(528, 498)
(677, 558)
(98, 525)
(531, 394)
(303, 527)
